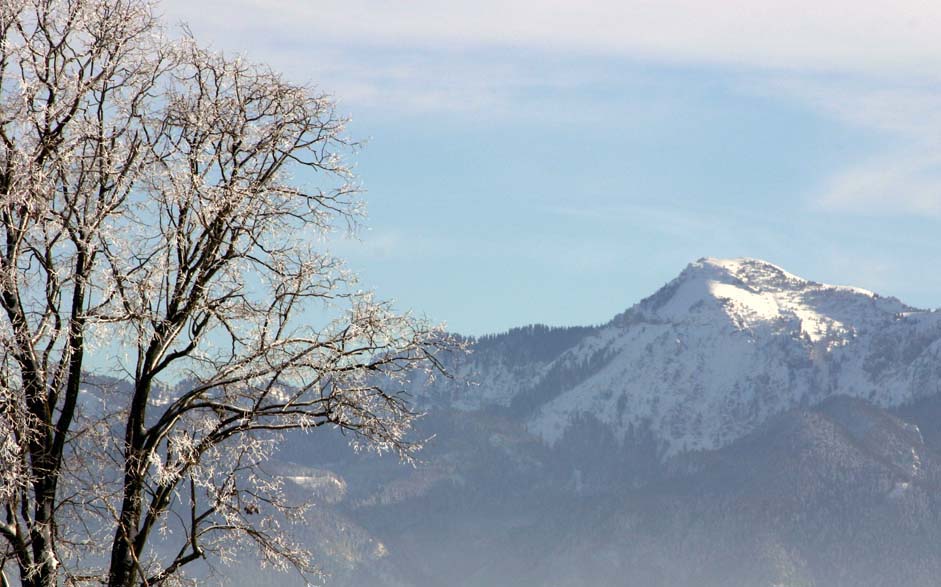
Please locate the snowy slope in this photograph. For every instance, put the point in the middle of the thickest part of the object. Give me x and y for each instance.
(729, 343)
(716, 352)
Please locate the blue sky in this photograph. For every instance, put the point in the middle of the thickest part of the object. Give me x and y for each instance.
(555, 162)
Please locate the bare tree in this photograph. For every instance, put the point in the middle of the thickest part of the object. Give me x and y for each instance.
(147, 215)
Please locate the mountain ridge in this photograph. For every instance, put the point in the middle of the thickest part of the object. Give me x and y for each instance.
(740, 426)
(713, 353)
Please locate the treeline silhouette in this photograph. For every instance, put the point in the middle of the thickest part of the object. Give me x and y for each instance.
(535, 342)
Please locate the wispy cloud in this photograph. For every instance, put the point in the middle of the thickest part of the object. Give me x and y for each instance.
(895, 184)
(876, 35)
(905, 107)
(873, 65)
(904, 177)
(461, 55)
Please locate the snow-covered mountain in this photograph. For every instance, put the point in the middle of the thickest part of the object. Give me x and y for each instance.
(707, 358)
(741, 426)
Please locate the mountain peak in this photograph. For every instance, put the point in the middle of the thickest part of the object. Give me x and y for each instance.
(752, 292)
(730, 342)
(754, 272)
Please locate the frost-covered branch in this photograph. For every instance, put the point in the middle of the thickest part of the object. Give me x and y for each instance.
(151, 217)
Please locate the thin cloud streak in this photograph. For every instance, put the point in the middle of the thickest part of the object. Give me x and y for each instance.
(804, 35)
(909, 108)
(897, 184)
(905, 177)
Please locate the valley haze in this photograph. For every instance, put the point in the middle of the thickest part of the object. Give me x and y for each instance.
(742, 426)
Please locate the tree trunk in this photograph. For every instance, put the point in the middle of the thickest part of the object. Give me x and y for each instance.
(44, 571)
(124, 560)
(123, 569)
